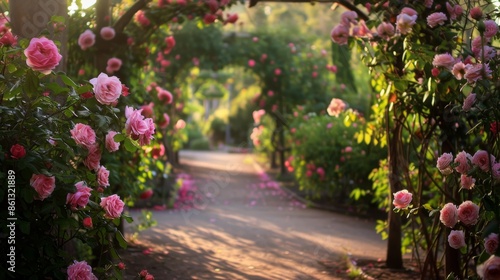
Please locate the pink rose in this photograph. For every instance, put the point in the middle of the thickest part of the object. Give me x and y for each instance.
(385, 30)
(102, 177)
(349, 17)
(257, 115)
(480, 159)
(107, 33)
(147, 136)
(449, 215)
(468, 102)
(107, 89)
(336, 107)
(164, 96)
(468, 213)
(491, 243)
(409, 11)
(339, 34)
(475, 72)
(92, 161)
(402, 199)
(141, 18)
(491, 28)
(467, 182)
(405, 22)
(463, 159)
(114, 64)
(135, 124)
(147, 110)
(8, 39)
(42, 55)
(87, 222)
(43, 185)
(490, 269)
(458, 70)
(86, 39)
(80, 198)
(80, 270)
(456, 239)
(111, 145)
(113, 206)
(443, 163)
(17, 151)
(495, 170)
(277, 71)
(165, 122)
(83, 135)
(436, 19)
(476, 13)
(180, 124)
(251, 63)
(445, 60)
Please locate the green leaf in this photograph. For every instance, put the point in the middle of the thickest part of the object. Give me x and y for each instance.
(121, 240)
(128, 219)
(67, 81)
(130, 145)
(119, 137)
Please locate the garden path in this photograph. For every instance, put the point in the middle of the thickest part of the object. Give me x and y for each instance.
(244, 226)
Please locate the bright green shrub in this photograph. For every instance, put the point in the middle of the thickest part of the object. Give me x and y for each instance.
(326, 159)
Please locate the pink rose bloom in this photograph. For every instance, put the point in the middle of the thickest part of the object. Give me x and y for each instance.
(468, 102)
(165, 122)
(405, 22)
(180, 124)
(436, 19)
(170, 42)
(43, 185)
(444, 60)
(467, 182)
(491, 243)
(348, 149)
(491, 28)
(113, 206)
(83, 135)
(80, 270)
(147, 136)
(135, 124)
(107, 89)
(385, 30)
(277, 71)
(340, 34)
(456, 239)
(114, 64)
(17, 151)
(349, 17)
(8, 39)
(409, 11)
(443, 163)
(480, 159)
(454, 11)
(102, 177)
(147, 110)
(93, 159)
(42, 55)
(476, 13)
(107, 33)
(490, 269)
(495, 170)
(86, 39)
(251, 63)
(468, 213)
(164, 96)
(458, 70)
(463, 159)
(141, 18)
(449, 215)
(257, 115)
(110, 144)
(476, 72)
(80, 198)
(336, 107)
(402, 199)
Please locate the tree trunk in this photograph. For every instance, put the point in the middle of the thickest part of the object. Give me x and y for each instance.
(394, 258)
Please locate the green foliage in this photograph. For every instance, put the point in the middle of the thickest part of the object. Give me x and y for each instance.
(325, 158)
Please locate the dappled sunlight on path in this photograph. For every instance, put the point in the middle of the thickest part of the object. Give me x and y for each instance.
(246, 227)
